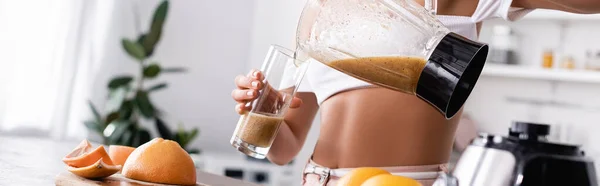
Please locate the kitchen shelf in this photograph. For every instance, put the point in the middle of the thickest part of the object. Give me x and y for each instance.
(536, 73)
(543, 14)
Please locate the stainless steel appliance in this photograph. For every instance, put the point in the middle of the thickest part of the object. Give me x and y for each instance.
(524, 158)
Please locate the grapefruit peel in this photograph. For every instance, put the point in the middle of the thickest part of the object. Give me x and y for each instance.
(96, 170)
(92, 164)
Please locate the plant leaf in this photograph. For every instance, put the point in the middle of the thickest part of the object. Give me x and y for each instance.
(93, 126)
(173, 70)
(160, 15)
(142, 136)
(157, 87)
(151, 71)
(162, 128)
(193, 134)
(141, 39)
(183, 137)
(134, 49)
(177, 138)
(193, 151)
(119, 128)
(112, 117)
(144, 105)
(126, 109)
(95, 112)
(127, 137)
(119, 81)
(115, 98)
(158, 112)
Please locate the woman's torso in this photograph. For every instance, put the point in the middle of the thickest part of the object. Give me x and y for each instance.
(381, 127)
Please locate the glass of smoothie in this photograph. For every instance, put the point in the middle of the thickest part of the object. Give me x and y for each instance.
(257, 128)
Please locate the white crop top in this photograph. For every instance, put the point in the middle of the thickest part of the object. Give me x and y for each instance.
(325, 81)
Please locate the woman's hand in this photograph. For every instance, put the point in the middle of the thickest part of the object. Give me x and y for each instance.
(248, 88)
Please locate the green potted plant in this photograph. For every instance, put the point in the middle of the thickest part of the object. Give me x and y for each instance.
(129, 100)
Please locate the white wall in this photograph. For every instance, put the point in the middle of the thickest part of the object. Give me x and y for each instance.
(212, 40)
(274, 23)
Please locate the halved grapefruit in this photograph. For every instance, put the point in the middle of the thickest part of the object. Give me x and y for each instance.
(119, 153)
(160, 161)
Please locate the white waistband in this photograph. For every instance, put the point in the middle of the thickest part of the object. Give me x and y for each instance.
(312, 168)
(413, 175)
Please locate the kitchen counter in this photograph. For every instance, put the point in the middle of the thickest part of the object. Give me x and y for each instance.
(37, 161)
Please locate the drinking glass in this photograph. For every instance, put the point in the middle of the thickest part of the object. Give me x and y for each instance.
(257, 128)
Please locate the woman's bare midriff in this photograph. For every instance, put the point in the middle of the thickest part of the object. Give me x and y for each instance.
(380, 127)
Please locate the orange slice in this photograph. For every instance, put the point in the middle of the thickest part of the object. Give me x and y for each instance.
(119, 154)
(86, 158)
(160, 161)
(91, 164)
(81, 149)
(96, 170)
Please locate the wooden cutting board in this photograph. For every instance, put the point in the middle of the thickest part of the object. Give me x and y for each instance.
(202, 178)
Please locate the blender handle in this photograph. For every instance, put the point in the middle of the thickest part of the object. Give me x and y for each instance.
(431, 6)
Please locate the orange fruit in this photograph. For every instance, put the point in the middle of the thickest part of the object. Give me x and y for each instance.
(81, 156)
(118, 153)
(160, 161)
(96, 170)
(83, 162)
(84, 146)
(359, 175)
(390, 180)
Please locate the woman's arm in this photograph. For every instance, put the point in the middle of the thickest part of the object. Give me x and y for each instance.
(297, 121)
(573, 6)
(293, 132)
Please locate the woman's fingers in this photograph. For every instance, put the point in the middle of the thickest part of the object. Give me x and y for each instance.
(242, 108)
(251, 81)
(296, 102)
(245, 95)
(239, 108)
(256, 74)
(244, 82)
(247, 90)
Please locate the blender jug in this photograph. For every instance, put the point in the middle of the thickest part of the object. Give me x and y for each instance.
(397, 44)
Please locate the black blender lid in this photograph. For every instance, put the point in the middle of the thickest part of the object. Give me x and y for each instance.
(451, 72)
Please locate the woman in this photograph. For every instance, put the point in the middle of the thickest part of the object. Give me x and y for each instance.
(368, 126)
